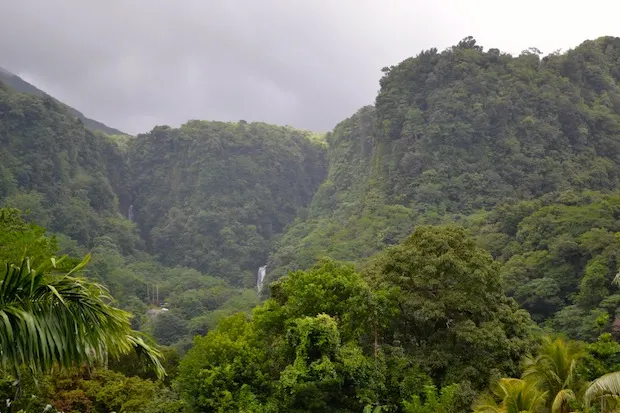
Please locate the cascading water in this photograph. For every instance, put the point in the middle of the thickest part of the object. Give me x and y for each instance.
(262, 271)
(130, 213)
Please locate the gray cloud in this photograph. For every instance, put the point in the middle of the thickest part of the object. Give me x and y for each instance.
(136, 63)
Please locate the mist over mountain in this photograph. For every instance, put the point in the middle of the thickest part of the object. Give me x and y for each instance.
(445, 241)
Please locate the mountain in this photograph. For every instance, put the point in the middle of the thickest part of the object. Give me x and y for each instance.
(69, 177)
(213, 195)
(457, 131)
(206, 201)
(477, 203)
(514, 148)
(20, 85)
(522, 150)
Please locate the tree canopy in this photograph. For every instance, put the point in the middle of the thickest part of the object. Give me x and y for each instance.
(452, 247)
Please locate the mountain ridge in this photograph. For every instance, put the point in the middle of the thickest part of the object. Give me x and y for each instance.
(477, 204)
(20, 85)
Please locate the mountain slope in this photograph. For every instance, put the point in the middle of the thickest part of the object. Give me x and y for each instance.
(460, 130)
(465, 128)
(80, 185)
(69, 177)
(348, 218)
(212, 195)
(22, 86)
(559, 255)
(208, 195)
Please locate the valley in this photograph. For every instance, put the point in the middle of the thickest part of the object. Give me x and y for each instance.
(442, 243)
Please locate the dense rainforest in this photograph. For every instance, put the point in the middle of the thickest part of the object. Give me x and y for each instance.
(213, 195)
(453, 247)
(456, 131)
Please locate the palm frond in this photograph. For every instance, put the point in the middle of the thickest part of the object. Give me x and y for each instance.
(487, 404)
(562, 398)
(603, 387)
(49, 318)
(516, 396)
(554, 369)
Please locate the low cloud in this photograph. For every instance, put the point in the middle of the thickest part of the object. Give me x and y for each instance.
(136, 63)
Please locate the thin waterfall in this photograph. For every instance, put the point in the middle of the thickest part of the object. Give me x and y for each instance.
(262, 271)
(130, 213)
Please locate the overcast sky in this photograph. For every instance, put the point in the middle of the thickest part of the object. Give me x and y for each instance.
(133, 64)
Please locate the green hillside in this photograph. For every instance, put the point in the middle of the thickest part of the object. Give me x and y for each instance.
(459, 130)
(204, 212)
(476, 205)
(20, 85)
(69, 177)
(212, 195)
(559, 256)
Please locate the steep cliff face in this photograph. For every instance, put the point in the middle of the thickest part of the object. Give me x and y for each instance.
(212, 195)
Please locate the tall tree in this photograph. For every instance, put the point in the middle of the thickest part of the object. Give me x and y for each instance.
(451, 303)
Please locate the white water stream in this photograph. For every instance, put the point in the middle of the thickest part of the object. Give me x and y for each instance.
(262, 271)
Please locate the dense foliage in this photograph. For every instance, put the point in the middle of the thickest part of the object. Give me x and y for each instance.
(522, 152)
(212, 195)
(459, 130)
(69, 178)
(348, 218)
(330, 339)
(449, 298)
(20, 85)
(560, 257)
(80, 185)
(465, 128)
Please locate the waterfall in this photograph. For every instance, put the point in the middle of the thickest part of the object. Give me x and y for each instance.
(130, 213)
(262, 271)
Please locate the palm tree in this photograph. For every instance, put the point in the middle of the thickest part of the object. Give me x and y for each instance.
(49, 318)
(516, 395)
(606, 389)
(553, 371)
